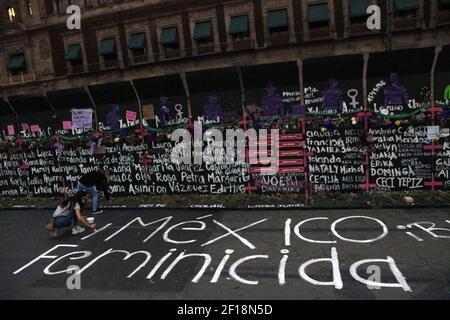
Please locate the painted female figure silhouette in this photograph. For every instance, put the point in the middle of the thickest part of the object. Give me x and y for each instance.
(212, 110)
(332, 97)
(272, 103)
(164, 112)
(396, 93)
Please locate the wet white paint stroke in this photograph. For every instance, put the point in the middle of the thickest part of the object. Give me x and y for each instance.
(96, 231)
(282, 267)
(234, 233)
(138, 219)
(287, 232)
(160, 263)
(204, 217)
(401, 280)
(414, 236)
(85, 254)
(232, 272)
(127, 256)
(221, 265)
(381, 223)
(45, 256)
(298, 234)
(166, 233)
(337, 279)
(430, 229)
(183, 255)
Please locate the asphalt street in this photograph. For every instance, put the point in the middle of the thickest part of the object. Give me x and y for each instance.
(239, 255)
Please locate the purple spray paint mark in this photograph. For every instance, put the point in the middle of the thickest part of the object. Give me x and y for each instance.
(332, 97)
(112, 118)
(298, 109)
(395, 93)
(272, 103)
(212, 110)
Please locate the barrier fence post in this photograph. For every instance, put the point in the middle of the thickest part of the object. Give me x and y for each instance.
(433, 110)
(367, 186)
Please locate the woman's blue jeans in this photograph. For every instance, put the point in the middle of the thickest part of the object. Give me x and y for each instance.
(92, 191)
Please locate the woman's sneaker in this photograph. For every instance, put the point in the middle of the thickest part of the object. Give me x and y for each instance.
(50, 226)
(54, 234)
(77, 230)
(97, 212)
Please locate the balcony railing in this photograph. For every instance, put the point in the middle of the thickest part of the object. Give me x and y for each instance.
(407, 23)
(360, 28)
(111, 64)
(320, 33)
(206, 48)
(279, 38)
(241, 44)
(19, 78)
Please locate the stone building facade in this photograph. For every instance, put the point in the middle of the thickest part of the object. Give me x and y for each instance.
(357, 109)
(315, 28)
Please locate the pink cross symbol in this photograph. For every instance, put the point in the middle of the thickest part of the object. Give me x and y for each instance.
(433, 147)
(368, 186)
(244, 121)
(64, 187)
(24, 166)
(434, 110)
(433, 183)
(250, 188)
(366, 158)
(364, 114)
(302, 120)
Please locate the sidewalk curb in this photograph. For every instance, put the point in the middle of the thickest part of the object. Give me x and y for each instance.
(253, 207)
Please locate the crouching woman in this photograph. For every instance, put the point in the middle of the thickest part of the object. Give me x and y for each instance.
(67, 217)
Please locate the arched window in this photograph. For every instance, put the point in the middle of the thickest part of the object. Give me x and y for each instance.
(11, 14)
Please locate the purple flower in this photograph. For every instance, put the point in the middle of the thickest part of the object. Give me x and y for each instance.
(58, 146)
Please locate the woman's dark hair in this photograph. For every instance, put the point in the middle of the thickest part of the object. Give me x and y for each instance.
(76, 198)
(106, 171)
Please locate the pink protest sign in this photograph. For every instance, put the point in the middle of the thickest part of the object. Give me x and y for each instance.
(25, 126)
(11, 130)
(67, 125)
(35, 128)
(131, 115)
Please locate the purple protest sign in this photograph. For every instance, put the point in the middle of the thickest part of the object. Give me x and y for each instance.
(35, 128)
(82, 118)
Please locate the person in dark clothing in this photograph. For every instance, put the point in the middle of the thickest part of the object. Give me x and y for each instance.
(92, 183)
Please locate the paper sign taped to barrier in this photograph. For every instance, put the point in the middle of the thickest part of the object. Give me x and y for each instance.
(433, 132)
(67, 125)
(11, 130)
(82, 118)
(148, 111)
(444, 133)
(131, 115)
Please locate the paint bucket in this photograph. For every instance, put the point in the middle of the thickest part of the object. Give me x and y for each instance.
(90, 220)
